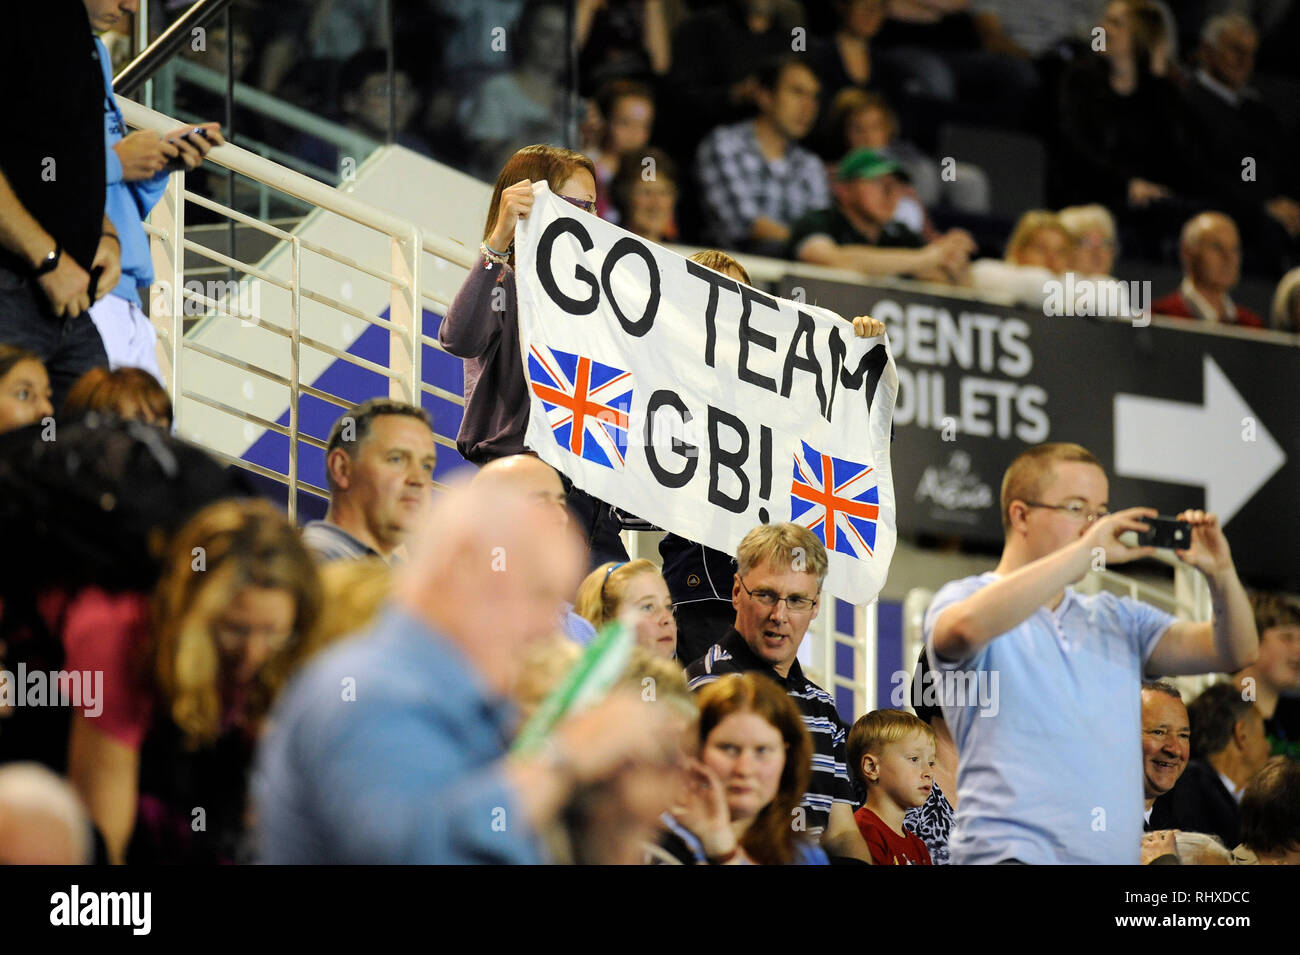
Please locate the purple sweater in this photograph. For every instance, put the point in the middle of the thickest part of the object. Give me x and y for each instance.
(496, 394)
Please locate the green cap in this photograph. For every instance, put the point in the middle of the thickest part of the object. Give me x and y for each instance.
(867, 164)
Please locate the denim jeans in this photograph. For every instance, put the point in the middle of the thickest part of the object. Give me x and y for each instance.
(70, 347)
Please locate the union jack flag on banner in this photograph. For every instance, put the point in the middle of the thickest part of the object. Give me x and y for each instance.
(586, 403)
(837, 500)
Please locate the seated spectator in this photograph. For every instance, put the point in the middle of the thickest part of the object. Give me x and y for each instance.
(1286, 303)
(1270, 825)
(755, 177)
(1127, 139)
(379, 469)
(932, 821)
(645, 197)
(363, 104)
(24, 388)
(774, 604)
(1228, 748)
(843, 61)
(864, 120)
(1272, 681)
(1166, 745)
(417, 772)
(1094, 244)
(1235, 123)
(939, 53)
(545, 665)
(183, 705)
(537, 481)
(1038, 252)
(616, 821)
(717, 55)
(892, 756)
(621, 40)
(1210, 249)
(860, 231)
(353, 591)
(42, 822)
(636, 593)
(130, 393)
(627, 109)
(747, 784)
(527, 105)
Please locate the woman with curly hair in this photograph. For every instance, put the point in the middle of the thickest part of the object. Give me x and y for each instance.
(188, 681)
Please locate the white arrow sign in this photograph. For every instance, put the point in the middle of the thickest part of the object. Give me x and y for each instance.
(1220, 444)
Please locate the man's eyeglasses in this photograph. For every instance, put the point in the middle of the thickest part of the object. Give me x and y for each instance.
(1075, 509)
(795, 603)
(587, 205)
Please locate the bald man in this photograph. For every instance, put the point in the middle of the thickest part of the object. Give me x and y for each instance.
(1210, 248)
(533, 478)
(42, 822)
(391, 748)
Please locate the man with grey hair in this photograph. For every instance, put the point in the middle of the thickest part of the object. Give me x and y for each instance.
(1210, 249)
(379, 468)
(1251, 158)
(42, 822)
(776, 590)
(1229, 747)
(1166, 742)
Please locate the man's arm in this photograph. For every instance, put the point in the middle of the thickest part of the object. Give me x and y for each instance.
(19, 232)
(1230, 641)
(67, 285)
(969, 625)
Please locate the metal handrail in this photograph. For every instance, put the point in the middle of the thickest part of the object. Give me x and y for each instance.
(153, 57)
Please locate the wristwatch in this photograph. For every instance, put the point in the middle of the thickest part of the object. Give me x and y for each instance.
(50, 262)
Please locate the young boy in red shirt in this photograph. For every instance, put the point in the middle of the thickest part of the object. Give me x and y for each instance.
(891, 755)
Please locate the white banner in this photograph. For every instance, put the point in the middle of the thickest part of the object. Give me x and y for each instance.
(700, 404)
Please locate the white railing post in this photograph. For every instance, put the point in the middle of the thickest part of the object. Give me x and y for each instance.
(295, 335)
(404, 339)
(167, 311)
(866, 655)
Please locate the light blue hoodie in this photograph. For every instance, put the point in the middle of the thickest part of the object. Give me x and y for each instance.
(128, 203)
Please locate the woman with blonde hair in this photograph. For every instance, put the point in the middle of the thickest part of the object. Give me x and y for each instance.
(750, 777)
(635, 591)
(186, 692)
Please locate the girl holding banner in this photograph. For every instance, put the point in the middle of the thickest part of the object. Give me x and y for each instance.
(482, 329)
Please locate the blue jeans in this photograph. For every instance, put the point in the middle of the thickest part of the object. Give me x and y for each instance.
(69, 347)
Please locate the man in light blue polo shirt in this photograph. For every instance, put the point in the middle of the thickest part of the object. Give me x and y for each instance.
(1050, 770)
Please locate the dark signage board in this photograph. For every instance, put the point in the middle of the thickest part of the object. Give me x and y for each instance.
(1179, 416)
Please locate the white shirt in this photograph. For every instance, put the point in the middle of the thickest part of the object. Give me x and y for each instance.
(1202, 307)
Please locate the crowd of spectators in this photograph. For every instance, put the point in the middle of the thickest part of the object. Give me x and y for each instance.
(702, 130)
(186, 676)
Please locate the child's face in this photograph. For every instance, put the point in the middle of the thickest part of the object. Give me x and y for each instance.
(906, 770)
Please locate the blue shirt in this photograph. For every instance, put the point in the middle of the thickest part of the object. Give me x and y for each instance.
(1047, 720)
(387, 749)
(127, 204)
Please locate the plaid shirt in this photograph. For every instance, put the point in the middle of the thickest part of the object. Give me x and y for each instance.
(741, 184)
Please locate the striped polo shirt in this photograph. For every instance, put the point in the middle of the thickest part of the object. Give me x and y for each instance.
(829, 782)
